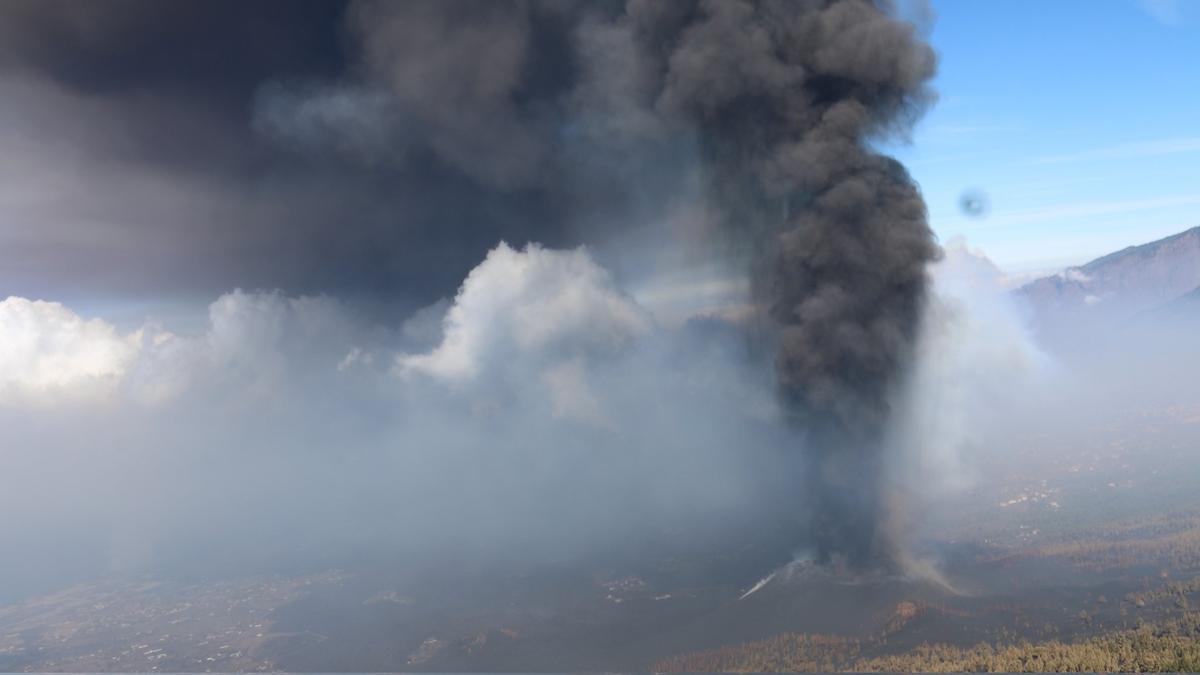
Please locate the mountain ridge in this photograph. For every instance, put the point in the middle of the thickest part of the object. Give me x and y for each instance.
(1122, 283)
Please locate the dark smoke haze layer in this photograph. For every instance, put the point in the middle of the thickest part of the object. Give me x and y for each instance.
(378, 150)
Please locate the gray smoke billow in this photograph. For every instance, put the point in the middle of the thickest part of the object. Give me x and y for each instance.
(786, 96)
(781, 100)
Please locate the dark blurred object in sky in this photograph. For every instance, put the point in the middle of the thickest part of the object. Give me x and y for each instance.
(974, 203)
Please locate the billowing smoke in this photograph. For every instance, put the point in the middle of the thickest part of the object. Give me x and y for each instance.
(376, 152)
(780, 101)
(786, 97)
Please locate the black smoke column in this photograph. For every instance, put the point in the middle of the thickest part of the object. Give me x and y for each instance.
(787, 96)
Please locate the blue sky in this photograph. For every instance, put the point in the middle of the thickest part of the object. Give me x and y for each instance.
(1079, 120)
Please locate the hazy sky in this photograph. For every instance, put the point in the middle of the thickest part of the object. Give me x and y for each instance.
(1077, 119)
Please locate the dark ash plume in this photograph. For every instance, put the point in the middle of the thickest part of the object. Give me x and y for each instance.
(787, 96)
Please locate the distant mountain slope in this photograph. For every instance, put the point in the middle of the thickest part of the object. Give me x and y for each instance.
(1122, 283)
(1191, 299)
(1185, 308)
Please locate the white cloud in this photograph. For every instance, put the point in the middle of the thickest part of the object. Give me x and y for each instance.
(258, 331)
(48, 351)
(1076, 275)
(253, 343)
(259, 345)
(533, 301)
(530, 314)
